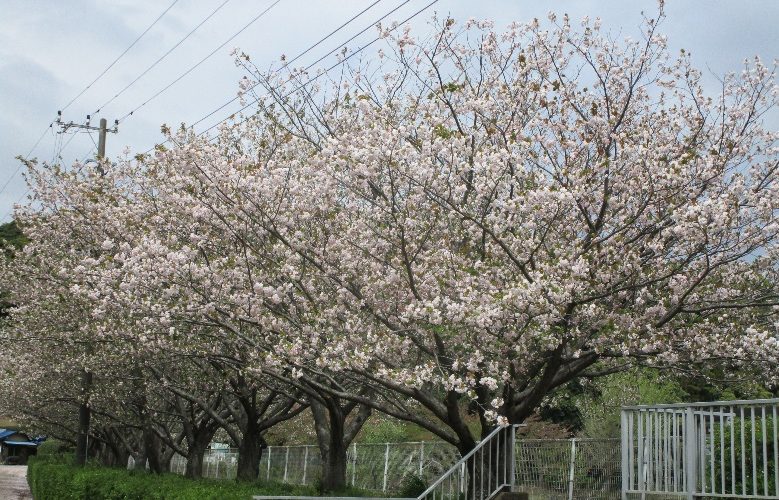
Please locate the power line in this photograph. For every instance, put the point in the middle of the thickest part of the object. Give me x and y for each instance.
(86, 156)
(166, 54)
(59, 147)
(158, 93)
(91, 137)
(340, 46)
(57, 144)
(7, 214)
(119, 57)
(94, 148)
(309, 49)
(98, 77)
(19, 167)
(339, 63)
(56, 153)
(67, 143)
(27, 156)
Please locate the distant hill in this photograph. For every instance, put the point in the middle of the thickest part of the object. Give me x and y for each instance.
(10, 234)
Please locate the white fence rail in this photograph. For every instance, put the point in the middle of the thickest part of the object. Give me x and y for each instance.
(375, 467)
(569, 469)
(724, 449)
(555, 469)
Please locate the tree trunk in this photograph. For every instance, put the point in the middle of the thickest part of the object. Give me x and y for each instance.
(152, 446)
(334, 466)
(166, 457)
(122, 456)
(250, 451)
(195, 454)
(105, 455)
(112, 454)
(329, 423)
(84, 414)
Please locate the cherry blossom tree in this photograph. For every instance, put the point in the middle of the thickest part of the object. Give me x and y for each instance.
(502, 213)
(464, 225)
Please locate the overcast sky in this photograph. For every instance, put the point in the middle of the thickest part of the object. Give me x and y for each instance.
(51, 49)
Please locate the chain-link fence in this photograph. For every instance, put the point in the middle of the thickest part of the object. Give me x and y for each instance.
(564, 469)
(569, 469)
(217, 464)
(374, 467)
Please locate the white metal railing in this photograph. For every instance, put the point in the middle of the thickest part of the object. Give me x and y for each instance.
(555, 469)
(380, 467)
(727, 449)
(217, 464)
(481, 473)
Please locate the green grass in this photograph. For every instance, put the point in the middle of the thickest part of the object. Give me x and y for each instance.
(54, 477)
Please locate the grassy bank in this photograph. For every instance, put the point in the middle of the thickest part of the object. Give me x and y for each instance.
(54, 477)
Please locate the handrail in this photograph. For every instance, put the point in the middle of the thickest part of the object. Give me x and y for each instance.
(292, 497)
(719, 449)
(458, 465)
(737, 402)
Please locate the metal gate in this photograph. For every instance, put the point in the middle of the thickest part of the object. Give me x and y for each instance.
(723, 449)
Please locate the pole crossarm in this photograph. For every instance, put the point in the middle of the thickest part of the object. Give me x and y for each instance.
(65, 126)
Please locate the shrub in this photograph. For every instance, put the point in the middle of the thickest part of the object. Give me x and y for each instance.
(412, 486)
(54, 447)
(748, 482)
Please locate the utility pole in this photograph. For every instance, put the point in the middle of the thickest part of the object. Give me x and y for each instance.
(84, 412)
(102, 130)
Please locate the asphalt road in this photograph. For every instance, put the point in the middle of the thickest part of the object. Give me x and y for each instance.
(13, 483)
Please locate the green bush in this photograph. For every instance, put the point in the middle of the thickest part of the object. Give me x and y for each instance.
(412, 486)
(54, 477)
(747, 482)
(54, 447)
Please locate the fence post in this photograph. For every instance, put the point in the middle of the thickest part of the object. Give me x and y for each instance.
(305, 465)
(690, 453)
(624, 432)
(513, 466)
(286, 464)
(354, 462)
(421, 457)
(267, 477)
(386, 466)
(572, 469)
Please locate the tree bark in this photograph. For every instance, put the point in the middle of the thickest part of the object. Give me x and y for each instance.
(250, 451)
(194, 468)
(84, 415)
(334, 466)
(112, 453)
(195, 451)
(152, 446)
(166, 457)
(334, 437)
(121, 457)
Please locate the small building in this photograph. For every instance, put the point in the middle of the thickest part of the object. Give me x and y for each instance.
(17, 444)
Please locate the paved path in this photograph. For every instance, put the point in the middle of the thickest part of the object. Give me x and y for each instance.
(13, 483)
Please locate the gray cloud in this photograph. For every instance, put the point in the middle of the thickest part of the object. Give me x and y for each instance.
(49, 50)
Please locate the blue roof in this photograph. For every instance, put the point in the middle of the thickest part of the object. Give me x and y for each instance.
(5, 433)
(21, 443)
